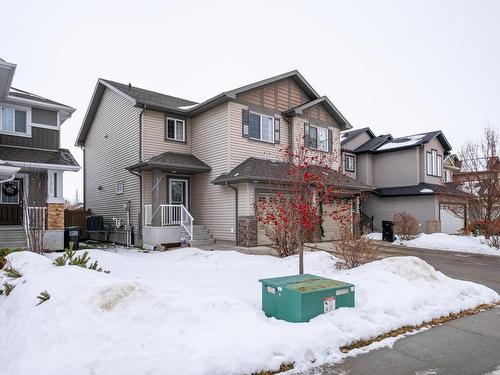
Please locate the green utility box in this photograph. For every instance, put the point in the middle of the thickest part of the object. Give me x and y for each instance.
(300, 298)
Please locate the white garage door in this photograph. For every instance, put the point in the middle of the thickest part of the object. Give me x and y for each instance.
(452, 218)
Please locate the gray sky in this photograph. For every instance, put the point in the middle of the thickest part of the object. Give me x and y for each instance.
(400, 67)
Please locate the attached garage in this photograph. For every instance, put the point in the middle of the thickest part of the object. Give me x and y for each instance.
(452, 217)
(337, 212)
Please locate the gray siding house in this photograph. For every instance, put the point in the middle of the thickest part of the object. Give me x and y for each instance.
(173, 168)
(411, 173)
(31, 163)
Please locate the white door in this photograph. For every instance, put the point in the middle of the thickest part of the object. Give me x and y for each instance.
(452, 218)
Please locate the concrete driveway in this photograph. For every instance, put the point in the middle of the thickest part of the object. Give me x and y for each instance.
(467, 346)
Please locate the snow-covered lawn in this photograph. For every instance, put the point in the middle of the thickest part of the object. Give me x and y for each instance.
(442, 241)
(190, 311)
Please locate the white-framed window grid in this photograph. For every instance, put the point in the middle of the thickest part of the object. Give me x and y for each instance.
(175, 129)
(434, 164)
(15, 120)
(349, 163)
(318, 138)
(265, 127)
(5, 199)
(120, 186)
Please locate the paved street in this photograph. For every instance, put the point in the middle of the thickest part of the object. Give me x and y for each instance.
(468, 346)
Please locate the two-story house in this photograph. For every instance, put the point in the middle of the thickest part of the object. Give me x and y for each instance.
(408, 174)
(31, 163)
(162, 163)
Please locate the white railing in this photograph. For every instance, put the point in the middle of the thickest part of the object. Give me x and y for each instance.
(171, 214)
(37, 217)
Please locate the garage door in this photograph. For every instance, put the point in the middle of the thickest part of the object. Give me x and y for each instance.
(338, 208)
(452, 218)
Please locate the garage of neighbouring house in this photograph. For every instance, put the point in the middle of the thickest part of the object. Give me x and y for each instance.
(452, 217)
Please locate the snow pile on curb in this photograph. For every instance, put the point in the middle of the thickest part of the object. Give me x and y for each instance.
(443, 241)
(194, 312)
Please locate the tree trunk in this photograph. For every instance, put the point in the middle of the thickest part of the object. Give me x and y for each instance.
(301, 259)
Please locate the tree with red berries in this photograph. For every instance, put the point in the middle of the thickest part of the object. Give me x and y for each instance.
(293, 215)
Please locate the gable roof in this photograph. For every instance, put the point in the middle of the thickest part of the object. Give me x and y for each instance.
(265, 170)
(155, 100)
(348, 136)
(332, 110)
(414, 140)
(20, 156)
(373, 143)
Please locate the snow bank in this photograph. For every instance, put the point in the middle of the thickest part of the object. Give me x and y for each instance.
(194, 312)
(447, 242)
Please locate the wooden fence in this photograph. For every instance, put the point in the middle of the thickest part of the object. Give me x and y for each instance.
(79, 218)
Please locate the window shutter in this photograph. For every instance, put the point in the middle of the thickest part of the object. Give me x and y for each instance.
(244, 122)
(330, 141)
(276, 130)
(306, 134)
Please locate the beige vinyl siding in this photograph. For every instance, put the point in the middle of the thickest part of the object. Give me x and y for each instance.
(213, 205)
(153, 134)
(246, 198)
(112, 144)
(241, 148)
(396, 168)
(298, 140)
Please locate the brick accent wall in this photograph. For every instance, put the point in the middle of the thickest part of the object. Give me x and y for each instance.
(247, 230)
(433, 226)
(55, 215)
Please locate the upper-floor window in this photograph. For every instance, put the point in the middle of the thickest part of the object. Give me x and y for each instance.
(434, 164)
(120, 187)
(13, 120)
(260, 127)
(447, 175)
(349, 164)
(317, 137)
(175, 129)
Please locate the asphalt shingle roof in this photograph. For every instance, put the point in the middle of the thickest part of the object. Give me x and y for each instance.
(421, 189)
(28, 95)
(373, 143)
(265, 170)
(151, 97)
(185, 163)
(351, 134)
(29, 155)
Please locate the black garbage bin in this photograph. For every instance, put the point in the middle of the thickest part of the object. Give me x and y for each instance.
(388, 231)
(72, 234)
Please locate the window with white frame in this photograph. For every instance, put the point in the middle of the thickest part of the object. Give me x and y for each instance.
(261, 127)
(318, 138)
(175, 129)
(447, 175)
(349, 163)
(120, 187)
(13, 120)
(434, 163)
(9, 192)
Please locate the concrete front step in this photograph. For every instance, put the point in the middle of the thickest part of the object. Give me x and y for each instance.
(12, 237)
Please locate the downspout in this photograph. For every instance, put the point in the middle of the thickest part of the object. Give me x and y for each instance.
(235, 212)
(141, 216)
(84, 179)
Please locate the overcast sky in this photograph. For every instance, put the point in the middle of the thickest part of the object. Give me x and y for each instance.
(400, 67)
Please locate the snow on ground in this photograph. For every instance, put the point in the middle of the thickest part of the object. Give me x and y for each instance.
(442, 241)
(190, 311)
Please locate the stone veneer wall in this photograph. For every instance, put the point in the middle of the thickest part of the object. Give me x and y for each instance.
(247, 230)
(55, 216)
(433, 226)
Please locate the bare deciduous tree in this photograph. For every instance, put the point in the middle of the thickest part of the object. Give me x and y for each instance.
(34, 203)
(479, 176)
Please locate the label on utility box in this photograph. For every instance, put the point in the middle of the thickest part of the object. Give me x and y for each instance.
(328, 304)
(271, 290)
(341, 292)
(73, 233)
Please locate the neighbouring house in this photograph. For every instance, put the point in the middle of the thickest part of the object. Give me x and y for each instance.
(31, 163)
(173, 168)
(408, 174)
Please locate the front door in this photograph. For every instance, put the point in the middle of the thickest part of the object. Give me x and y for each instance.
(178, 191)
(11, 211)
